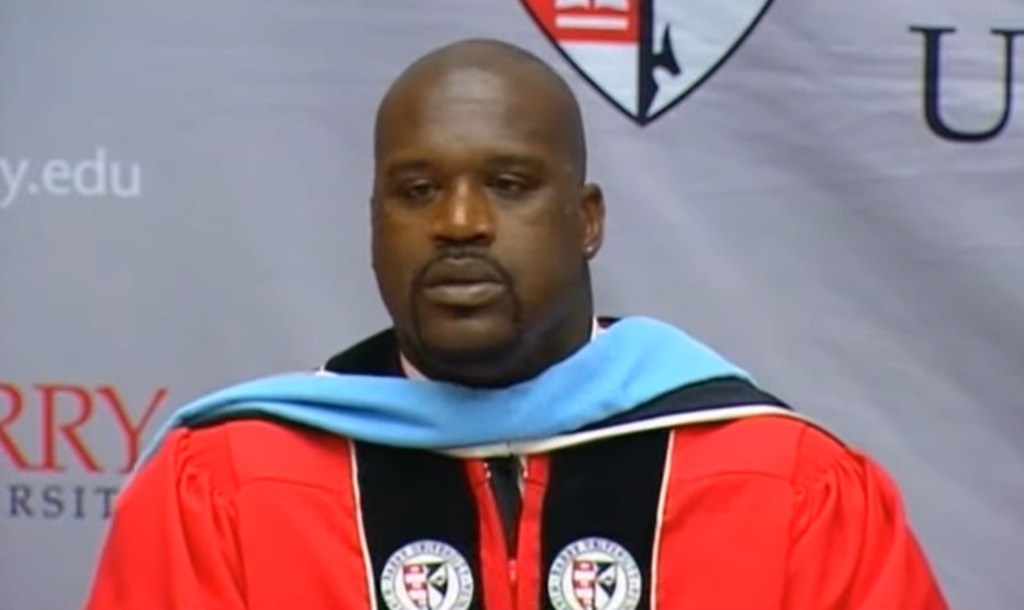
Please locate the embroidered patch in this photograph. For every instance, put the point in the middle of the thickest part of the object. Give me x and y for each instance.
(427, 574)
(594, 574)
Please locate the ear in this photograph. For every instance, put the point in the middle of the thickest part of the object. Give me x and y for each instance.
(592, 215)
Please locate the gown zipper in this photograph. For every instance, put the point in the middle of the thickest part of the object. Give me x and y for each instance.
(506, 478)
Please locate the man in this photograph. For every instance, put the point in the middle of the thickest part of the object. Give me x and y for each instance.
(501, 447)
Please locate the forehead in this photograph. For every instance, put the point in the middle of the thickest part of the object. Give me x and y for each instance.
(470, 111)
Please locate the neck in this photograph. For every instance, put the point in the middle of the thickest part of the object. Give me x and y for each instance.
(412, 372)
(532, 358)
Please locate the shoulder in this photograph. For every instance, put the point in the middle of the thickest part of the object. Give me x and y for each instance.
(779, 447)
(239, 452)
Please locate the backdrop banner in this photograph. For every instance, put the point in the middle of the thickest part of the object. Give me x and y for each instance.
(831, 194)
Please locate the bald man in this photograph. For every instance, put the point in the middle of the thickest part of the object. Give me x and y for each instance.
(501, 446)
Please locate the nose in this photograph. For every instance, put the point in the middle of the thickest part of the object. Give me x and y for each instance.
(464, 216)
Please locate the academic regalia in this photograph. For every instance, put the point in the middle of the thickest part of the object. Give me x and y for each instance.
(713, 496)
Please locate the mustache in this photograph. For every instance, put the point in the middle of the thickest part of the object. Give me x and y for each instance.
(462, 254)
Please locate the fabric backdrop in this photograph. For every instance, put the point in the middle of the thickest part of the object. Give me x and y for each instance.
(832, 194)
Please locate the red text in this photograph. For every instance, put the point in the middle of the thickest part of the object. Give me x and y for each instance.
(63, 410)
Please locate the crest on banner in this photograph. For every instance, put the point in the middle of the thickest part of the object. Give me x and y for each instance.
(646, 56)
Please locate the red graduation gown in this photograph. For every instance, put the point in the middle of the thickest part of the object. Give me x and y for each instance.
(764, 513)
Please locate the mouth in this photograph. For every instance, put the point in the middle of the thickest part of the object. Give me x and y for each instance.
(462, 283)
(464, 294)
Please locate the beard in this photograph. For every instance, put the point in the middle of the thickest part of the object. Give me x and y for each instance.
(449, 343)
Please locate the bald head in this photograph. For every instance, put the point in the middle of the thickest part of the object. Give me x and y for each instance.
(483, 223)
(473, 68)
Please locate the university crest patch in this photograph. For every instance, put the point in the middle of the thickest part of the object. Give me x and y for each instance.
(646, 56)
(427, 575)
(594, 574)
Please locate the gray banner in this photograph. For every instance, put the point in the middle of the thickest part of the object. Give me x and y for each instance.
(183, 204)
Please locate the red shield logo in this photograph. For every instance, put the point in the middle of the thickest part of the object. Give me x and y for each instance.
(646, 56)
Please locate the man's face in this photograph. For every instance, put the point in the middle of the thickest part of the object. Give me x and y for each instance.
(481, 225)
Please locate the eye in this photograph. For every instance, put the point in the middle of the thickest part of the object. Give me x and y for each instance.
(419, 190)
(509, 186)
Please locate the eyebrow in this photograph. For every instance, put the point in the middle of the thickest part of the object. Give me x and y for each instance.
(505, 160)
(399, 167)
(406, 166)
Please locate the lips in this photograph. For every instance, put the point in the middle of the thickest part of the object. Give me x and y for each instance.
(462, 283)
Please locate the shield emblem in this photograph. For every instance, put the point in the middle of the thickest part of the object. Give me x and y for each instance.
(594, 583)
(426, 584)
(646, 56)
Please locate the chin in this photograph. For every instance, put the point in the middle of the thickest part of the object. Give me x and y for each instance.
(467, 341)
